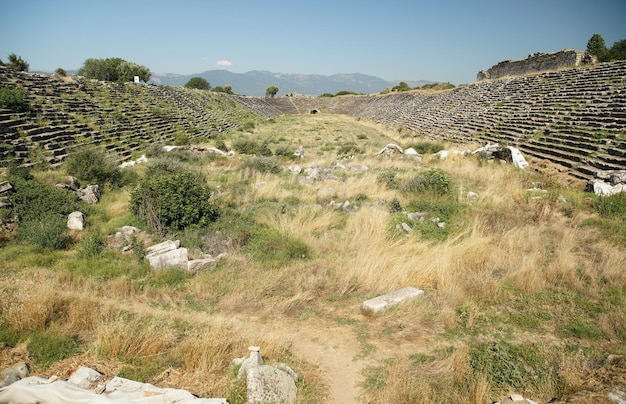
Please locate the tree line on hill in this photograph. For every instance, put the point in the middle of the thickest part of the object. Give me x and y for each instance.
(597, 47)
(200, 83)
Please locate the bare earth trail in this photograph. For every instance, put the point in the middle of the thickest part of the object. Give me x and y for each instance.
(331, 347)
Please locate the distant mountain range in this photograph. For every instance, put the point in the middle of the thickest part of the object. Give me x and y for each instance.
(256, 82)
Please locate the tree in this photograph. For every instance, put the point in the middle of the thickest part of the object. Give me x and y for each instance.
(402, 86)
(618, 51)
(61, 72)
(271, 91)
(198, 83)
(596, 46)
(17, 62)
(173, 202)
(127, 71)
(228, 89)
(113, 69)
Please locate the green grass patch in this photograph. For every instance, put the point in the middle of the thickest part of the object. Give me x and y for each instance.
(49, 346)
(275, 249)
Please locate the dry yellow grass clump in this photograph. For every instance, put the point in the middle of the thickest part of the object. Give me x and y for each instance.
(524, 289)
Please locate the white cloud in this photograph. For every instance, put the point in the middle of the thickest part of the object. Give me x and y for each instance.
(223, 63)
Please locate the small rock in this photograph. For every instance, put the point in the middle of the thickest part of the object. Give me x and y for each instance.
(76, 221)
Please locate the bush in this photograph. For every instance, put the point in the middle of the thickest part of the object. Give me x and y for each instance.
(94, 166)
(91, 245)
(173, 202)
(434, 180)
(48, 232)
(613, 205)
(14, 99)
(426, 147)
(250, 146)
(34, 201)
(263, 164)
(387, 177)
(285, 151)
(349, 149)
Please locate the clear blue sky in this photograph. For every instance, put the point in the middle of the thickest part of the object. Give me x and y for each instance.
(441, 40)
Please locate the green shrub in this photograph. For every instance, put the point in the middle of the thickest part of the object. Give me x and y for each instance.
(250, 146)
(427, 147)
(33, 200)
(91, 245)
(387, 177)
(49, 231)
(13, 99)
(613, 205)
(173, 202)
(165, 165)
(349, 149)
(284, 151)
(94, 166)
(434, 180)
(263, 164)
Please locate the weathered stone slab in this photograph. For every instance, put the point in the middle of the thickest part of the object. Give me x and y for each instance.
(202, 264)
(171, 259)
(163, 247)
(391, 299)
(5, 186)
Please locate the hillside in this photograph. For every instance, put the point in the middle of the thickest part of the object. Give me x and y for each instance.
(254, 83)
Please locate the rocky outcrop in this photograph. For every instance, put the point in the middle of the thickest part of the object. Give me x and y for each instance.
(536, 63)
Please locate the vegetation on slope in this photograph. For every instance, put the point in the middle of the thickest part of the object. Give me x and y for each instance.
(524, 289)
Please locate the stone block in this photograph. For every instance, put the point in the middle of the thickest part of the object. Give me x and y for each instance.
(391, 299)
(163, 247)
(168, 260)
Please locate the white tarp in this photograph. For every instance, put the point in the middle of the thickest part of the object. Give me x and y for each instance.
(35, 390)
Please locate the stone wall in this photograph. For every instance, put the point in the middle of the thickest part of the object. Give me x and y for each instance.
(535, 63)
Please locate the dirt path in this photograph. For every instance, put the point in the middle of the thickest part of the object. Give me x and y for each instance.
(335, 352)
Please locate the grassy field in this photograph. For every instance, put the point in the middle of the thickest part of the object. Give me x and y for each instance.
(525, 288)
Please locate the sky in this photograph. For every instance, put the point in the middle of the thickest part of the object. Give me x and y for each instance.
(409, 40)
